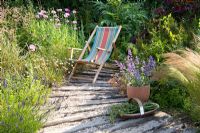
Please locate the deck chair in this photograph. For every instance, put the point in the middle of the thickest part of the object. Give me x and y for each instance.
(104, 41)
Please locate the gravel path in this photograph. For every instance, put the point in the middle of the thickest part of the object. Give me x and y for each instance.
(83, 108)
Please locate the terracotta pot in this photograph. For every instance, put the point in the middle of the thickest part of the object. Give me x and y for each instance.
(141, 93)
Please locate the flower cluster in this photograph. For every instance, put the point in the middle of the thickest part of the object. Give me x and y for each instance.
(135, 71)
(60, 16)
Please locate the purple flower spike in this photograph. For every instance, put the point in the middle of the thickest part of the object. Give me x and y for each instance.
(137, 75)
(121, 65)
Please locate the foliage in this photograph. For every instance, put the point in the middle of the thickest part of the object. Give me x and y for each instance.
(169, 93)
(29, 63)
(128, 108)
(20, 101)
(116, 12)
(165, 37)
(136, 72)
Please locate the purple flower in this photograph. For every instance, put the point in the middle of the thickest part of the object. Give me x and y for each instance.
(148, 67)
(5, 84)
(121, 65)
(137, 75)
(130, 53)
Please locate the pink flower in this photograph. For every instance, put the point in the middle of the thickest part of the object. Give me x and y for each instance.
(66, 15)
(74, 11)
(43, 11)
(74, 22)
(41, 14)
(67, 10)
(32, 47)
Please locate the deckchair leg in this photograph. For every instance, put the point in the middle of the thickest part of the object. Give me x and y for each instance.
(97, 74)
(72, 73)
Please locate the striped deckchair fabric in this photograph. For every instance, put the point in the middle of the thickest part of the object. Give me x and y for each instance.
(100, 52)
(103, 40)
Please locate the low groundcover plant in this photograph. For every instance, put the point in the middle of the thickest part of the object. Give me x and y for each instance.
(136, 72)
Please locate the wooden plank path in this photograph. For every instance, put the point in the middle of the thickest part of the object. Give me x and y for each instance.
(82, 107)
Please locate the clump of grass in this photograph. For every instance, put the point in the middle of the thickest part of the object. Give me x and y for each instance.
(194, 90)
(183, 66)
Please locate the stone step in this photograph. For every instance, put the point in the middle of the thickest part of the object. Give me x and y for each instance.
(84, 88)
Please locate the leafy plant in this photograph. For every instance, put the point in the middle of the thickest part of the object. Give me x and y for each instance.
(136, 72)
(169, 93)
(165, 36)
(128, 108)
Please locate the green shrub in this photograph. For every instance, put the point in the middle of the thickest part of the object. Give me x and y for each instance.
(20, 102)
(169, 94)
(131, 16)
(166, 35)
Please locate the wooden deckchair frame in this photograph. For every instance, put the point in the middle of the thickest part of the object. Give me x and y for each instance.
(87, 46)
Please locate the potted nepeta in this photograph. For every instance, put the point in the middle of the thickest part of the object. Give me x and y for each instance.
(137, 75)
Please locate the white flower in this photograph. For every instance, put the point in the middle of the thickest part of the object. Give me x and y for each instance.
(53, 12)
(45, 16)
(59, 10)
(74, 11)
(57, 25)
(67, 21)
(37, 16)
(74, 22)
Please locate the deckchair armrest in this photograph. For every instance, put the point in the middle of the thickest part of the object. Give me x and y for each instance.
(103, 49)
